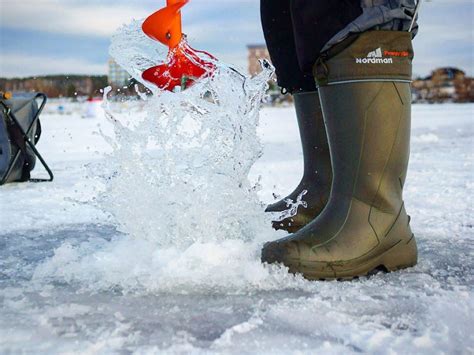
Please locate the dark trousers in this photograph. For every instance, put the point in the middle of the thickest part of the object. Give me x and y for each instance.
(295, 32)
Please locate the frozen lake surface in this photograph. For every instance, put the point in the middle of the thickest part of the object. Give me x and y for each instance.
(70, 282)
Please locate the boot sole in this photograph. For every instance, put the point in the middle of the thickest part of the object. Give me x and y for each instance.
(401, 255)
(290, 230)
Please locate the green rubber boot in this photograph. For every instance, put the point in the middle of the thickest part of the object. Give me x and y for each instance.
(364, 225)
(315, 185)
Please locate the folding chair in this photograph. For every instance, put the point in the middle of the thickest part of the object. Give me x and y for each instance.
(20, 130)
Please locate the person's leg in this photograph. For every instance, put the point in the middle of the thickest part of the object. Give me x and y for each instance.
(278, 31)
(315, 22)
(316, 182)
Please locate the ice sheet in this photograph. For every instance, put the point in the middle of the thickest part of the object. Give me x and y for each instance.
(69, 281)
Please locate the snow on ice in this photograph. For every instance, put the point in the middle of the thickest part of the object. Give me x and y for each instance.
(71, 280)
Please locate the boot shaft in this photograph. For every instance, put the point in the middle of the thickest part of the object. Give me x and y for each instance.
(314, 141)
(366, 100)
(368, 126)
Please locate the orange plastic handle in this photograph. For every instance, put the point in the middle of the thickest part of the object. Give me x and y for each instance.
(165, 25)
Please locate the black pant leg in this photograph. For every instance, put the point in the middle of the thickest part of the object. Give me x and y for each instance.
(278, 31)
(315, 22)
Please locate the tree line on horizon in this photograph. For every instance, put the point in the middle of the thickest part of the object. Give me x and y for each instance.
(57, 85)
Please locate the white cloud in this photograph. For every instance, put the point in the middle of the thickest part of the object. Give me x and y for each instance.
(67, 17)
(13, 65)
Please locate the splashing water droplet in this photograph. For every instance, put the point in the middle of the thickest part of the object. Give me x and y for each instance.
(292, 207)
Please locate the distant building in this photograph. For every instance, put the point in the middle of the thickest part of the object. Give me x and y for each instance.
(117, 76)
(444, 84)
(256, 52)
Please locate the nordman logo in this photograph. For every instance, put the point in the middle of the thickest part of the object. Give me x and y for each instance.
(375, 57)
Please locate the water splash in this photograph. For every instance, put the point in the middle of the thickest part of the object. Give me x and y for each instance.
(293, 206)
(177, 186)
(180, 175)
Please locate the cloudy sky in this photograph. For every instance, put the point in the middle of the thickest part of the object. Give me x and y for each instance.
(71, 36)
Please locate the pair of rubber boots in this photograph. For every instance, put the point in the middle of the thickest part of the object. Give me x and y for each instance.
(355, 133)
